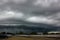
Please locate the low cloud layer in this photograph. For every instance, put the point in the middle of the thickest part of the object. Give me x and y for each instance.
(31, 11)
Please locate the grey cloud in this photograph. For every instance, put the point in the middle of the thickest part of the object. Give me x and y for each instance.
(29, 9)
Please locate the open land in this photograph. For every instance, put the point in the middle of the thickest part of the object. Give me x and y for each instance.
(32, 38)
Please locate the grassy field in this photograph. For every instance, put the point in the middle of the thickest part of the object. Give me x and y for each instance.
(33, 38)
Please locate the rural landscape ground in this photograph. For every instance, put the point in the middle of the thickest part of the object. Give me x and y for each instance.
(31, 38)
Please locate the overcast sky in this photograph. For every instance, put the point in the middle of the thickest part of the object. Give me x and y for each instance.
(31, 11)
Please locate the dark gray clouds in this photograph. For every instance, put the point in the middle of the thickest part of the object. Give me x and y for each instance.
(35, 11)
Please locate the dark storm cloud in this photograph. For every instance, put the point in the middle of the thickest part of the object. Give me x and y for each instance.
(35, 11)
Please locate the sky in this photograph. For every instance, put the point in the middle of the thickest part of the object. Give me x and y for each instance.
(30, 11)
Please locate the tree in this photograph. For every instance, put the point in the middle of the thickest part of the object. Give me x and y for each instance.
(33, 33)
(3, 32)
(21, 32)
(45, 33)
